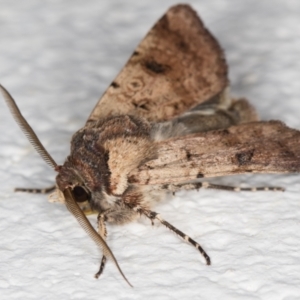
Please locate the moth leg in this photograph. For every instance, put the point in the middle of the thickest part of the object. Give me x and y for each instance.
(36, 191)
(207, 185)
(238, 189)
(103, 233)
(155, 216)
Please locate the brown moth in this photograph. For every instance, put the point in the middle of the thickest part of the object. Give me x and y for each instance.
(164, 123)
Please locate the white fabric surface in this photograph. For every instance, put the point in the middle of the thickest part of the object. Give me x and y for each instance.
(57, 58)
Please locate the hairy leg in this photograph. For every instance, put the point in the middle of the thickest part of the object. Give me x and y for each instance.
(103, 233)
(36, 191)
(155, 216)
(207, 185)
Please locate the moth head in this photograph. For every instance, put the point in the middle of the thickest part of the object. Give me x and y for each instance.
(85, 171)
(80, 194)
(71, 191)
(67, 178)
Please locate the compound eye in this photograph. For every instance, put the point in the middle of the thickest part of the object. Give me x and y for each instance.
(80, 194)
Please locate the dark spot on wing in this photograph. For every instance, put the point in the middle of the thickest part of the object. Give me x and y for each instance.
(176, 107)
(115, 85)
(244, 157)
(183, 46)
(156, 67)
(200, 175)
(225, 132)
(188, 155)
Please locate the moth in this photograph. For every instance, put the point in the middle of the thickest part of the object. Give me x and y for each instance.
(166, 122)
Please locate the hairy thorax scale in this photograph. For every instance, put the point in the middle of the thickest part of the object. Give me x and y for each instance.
(102, 156)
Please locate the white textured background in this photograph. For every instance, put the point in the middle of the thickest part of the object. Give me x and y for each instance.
(56, 58)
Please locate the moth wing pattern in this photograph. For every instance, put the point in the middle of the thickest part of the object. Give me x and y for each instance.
(238, 149)
(177, 66)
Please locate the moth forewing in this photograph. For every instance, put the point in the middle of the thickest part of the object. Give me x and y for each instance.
(178, 65)
(245, 148)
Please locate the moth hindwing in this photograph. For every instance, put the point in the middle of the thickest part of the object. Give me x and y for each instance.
(164, 123)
